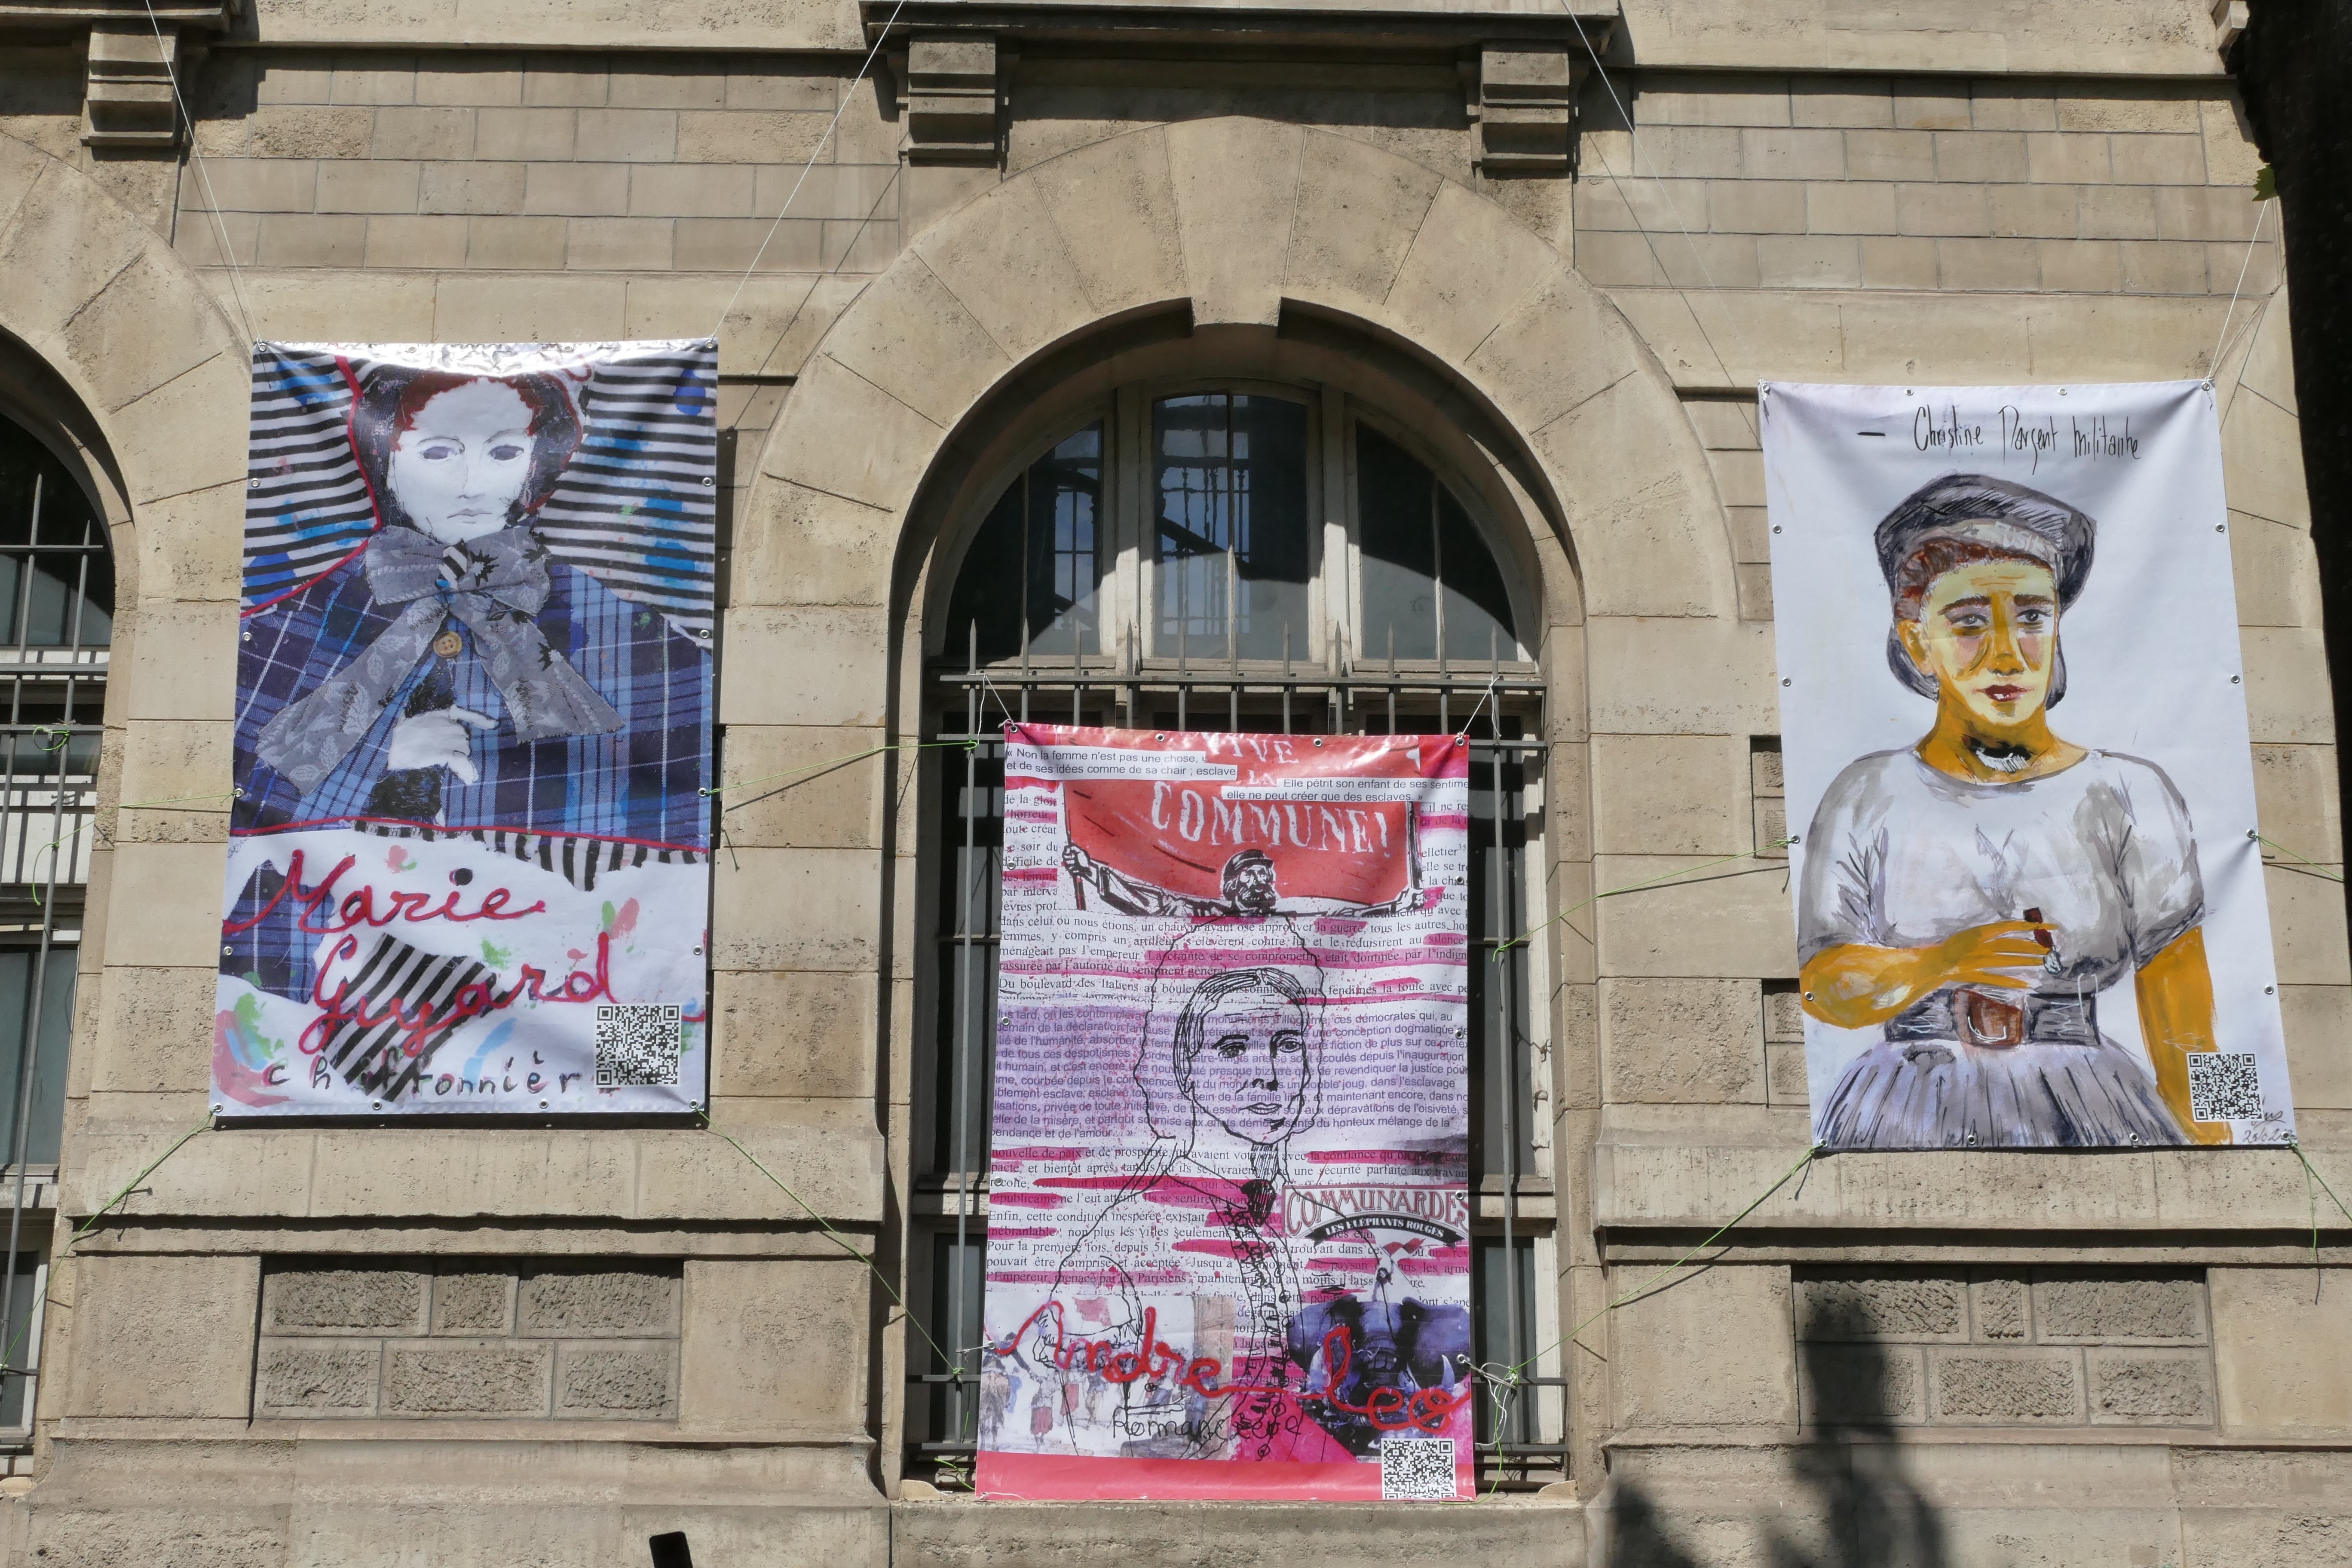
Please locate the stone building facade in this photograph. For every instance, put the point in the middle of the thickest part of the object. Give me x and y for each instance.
(1552, 287)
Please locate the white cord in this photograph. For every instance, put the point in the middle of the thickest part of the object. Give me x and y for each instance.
(212, 204)
(2213, 366)
(1633, 138)
(839, 110)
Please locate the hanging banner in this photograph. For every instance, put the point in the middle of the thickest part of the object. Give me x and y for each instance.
(469, 865)
(2020, 925)
(1228, 1247)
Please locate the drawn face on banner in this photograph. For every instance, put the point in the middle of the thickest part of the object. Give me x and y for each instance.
(458, 469)
(1249, 883)
(1241, 1054)
(1986, 633)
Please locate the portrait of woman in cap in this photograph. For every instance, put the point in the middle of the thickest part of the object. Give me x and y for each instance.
(1970, 896)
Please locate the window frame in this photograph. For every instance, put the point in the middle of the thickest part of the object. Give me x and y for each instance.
(1360, 691)
(1128, 594)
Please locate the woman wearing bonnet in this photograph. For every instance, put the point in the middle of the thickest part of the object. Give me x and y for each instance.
(1971, 896)
(452, 675)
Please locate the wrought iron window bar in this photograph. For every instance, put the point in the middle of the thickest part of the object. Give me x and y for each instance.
(1496, 705)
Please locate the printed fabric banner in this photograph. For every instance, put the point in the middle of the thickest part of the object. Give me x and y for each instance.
(2020, 925)
(469, 865)
(1228, 1245)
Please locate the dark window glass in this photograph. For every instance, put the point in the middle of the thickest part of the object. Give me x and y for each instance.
(972, 805)
(20, 1350)
(1035, 571)
(48, 1085)
(1230, 469)
(955, 1324)
(1399, 549)
(1477, 609)
(1424, 565)
(1501, 1324)
(56, 587)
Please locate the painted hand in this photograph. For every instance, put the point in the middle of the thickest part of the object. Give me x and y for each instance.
(1075, 861)
(439, 739)
(2002, 953)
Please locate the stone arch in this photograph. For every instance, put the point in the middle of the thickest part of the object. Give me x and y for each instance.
(1234, 220)
(121, 323)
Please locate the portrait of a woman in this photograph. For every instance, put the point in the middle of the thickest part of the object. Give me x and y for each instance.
(452, 672)
(1969, 897)
(452, 677)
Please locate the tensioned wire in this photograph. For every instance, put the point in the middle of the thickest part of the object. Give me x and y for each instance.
(831, 125)
(1632, 140)
(196, 156)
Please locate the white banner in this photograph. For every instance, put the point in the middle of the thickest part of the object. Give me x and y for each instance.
(2030, 903)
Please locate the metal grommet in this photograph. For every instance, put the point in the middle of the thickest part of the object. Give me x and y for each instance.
(376, 1105)
(2233, 680)
(1319, 739)
(542, 1105)
(2270, 989)
(1972, 1140)
(1784, 680)
(228, 953)
(1776, 528)
(2220, 528)
(709, 480)
(246, 636)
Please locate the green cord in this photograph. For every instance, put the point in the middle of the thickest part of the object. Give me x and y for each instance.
(1524, 936)
(1510, 1377)
(970, 744)
(130, 1186)
(2310, 1174)
(127, 805)
(2331, 876)
(844, 1244)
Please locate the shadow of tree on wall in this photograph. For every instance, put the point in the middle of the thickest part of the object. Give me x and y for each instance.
(1851, 1503)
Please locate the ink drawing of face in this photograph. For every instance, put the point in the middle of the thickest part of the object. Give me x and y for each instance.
(1249, 1071)
(459, 468)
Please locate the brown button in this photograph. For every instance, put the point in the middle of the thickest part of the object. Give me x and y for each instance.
(448, 645)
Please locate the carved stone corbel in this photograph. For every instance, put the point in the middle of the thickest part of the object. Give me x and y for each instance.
(128, 101)
(954, 93)
(1524, 105)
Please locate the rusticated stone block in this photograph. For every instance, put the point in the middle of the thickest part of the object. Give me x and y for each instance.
(1863, 1384)
(2119, 1307)
(1880, 1306)
(636, 1382)
(2159, 1388)
(309, 1378)
(2014, 1388)
(343, 1300)
(621, 1302)
(461, 1378)
(473, 1303)
(2000, 1311)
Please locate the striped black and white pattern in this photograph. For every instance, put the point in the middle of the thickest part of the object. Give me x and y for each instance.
(578, 860)
(636, 507)
(397, 986)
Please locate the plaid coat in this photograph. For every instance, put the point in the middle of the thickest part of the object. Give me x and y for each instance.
(639, 784)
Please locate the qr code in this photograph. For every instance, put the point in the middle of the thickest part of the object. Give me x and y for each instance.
(1417, 1469)
(2223, 1085)
(637, 1043)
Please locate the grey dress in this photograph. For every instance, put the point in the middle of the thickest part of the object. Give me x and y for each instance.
(1900, 855)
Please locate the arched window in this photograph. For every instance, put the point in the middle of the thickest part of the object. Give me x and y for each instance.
(1252, 557)
(56, 619)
